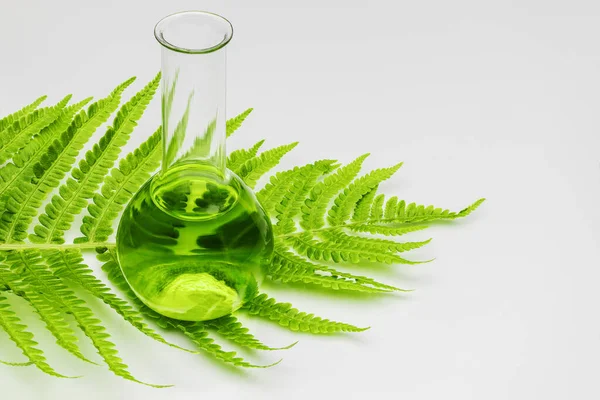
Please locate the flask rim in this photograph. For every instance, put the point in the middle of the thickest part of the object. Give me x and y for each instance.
(201, 17)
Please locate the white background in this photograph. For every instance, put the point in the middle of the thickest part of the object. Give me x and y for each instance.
(495, 99)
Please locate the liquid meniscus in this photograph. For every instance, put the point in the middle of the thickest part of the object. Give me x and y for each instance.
(193, 245)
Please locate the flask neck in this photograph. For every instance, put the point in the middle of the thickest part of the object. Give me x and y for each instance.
(194, 88)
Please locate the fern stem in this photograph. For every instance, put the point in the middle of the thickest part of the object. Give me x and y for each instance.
(54, 246)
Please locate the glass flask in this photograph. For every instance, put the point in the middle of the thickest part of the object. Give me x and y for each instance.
(193, 241)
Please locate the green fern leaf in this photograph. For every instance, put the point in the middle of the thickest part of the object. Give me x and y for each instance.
(68, 264)
(252, 170)
(199, 336)
(16, 364)
(316, 250)
(178, 134)
(201, 146)
(61, 155)
(123, 182)
(337, 236)
(238, 157)
(168, 96)
(49, 314)
(114, 274)
(315, 207)
(363, 206)
(40, 279)
(234, 123)
(231, 328)
(285, 315)
(346, 201)
(387, 230)
(21, 167)
(195, 331)
(17, 115)
(391, 208)
(22, 131)
(377, 208)
(84, 181)
(288, 267)
(413, 213)
(23, 199)
(19, 334)
(296, 194)
(275, 190)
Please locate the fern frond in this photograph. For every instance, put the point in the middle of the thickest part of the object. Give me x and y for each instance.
(198, 334)
(16, 364)
(285, 315)
(252, 170)
(68, 264)
(292, 201)
(337, 236)
(39, 279)
(275, 190)
(21, 166)
(346, 201)
(414, 213)
(288, 267)
(178, 134)
(315, 207)
(195, 331)
(23, 199)
(114, 274)
(168, 96)
(377, 207)
(316, 250)
(22, 131)
(61, 155)
(363, 206)
(123, 182)
(201, 146)
(17, 115)
(234, 123)
(238, 157)
(231, 328)
(53, 317)
(390, 207)
(18, 333)
(386, 230)
(84, 181)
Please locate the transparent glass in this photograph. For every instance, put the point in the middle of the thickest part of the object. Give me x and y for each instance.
(193, 242)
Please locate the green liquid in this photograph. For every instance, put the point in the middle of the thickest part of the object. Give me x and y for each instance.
(192, 245)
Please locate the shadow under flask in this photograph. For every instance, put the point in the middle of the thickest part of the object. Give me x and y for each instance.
(194, 241)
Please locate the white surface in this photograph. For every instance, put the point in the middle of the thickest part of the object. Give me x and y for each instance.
(480, 99)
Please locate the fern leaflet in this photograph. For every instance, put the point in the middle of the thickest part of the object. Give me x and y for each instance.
(285, 315)
(234, 123)
(21, 132)
(69, 265)
(315, 206)
(134, 170)
(52, 317)
(84, 181)
(40, 279)
(178, 134)
(23, 198)
(253, 169)
(231, 328)
(288, 267)
(238, 157)
(61, 154)
(346, 201)
(15, 116)
(295, 196)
